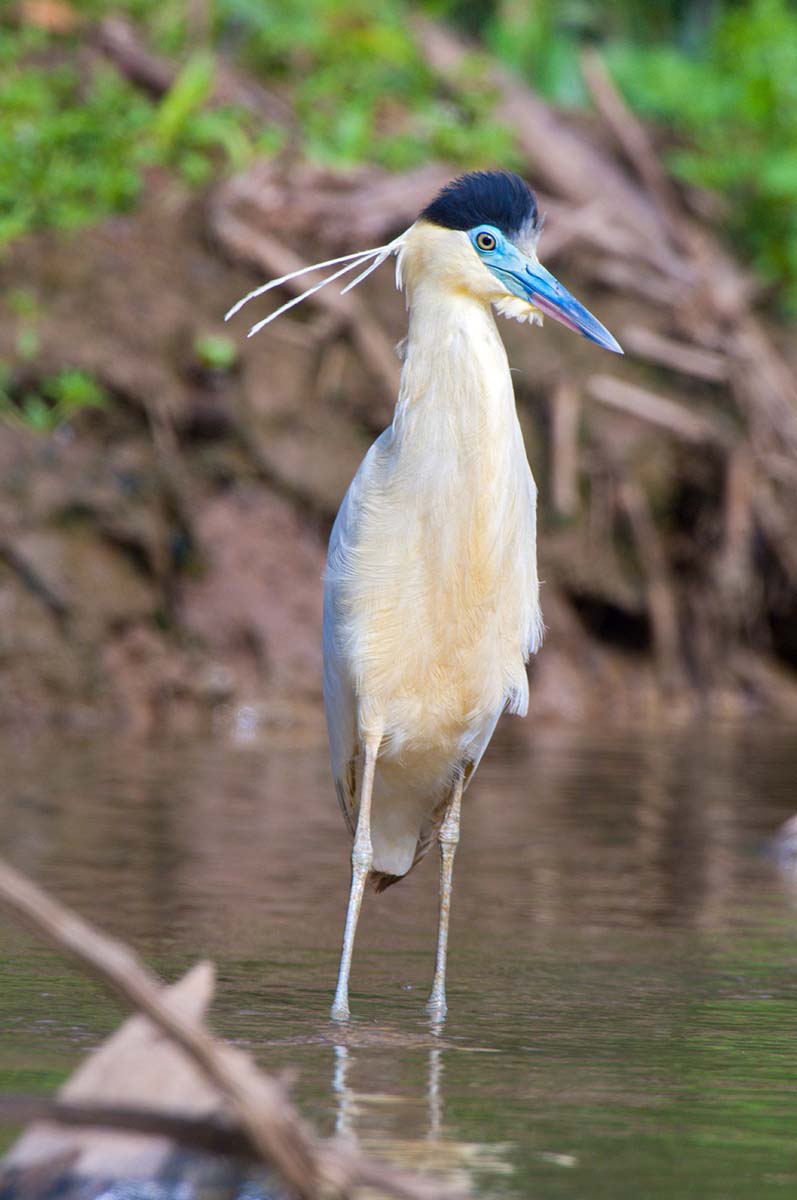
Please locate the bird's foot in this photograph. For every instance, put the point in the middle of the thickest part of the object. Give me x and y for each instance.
(436, 1007)
(340, 1010)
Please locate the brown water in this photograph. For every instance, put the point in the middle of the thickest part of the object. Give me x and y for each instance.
(623, 964)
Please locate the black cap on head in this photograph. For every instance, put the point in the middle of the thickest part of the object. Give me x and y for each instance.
(498, 198)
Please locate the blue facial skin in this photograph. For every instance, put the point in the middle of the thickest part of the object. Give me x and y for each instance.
(531, 282)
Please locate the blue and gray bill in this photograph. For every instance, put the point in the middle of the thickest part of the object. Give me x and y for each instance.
(532, 282)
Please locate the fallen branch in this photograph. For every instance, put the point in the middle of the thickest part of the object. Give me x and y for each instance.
(632, 279)
(208, 1135)
(31, 579)
(658, 583)
(151, 72)
(565, 417)
(359, 207)
(762, 381)
(118, 40)
(675, 355)
(631, 136)
(657, 410)
(734, 566)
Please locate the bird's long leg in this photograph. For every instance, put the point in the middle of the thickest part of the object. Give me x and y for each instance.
(361, 863)
(448, 838)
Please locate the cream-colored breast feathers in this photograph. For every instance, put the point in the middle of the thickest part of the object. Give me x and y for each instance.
(431, 596)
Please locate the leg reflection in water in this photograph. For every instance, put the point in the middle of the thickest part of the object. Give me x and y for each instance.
(345, 1103)
(349, 1103)
(407, 1125)
(435, 1094)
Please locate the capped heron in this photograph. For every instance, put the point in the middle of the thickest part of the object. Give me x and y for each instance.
(431, 599)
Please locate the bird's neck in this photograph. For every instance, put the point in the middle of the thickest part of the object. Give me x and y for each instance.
(455, 383)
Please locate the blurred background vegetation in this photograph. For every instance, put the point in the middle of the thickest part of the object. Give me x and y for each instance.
(720, 77)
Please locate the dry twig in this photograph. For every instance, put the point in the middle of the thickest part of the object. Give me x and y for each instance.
(657, 410)
(631, 135)
(565, 417)
(678, 356)
(661, 596)
(120, 42)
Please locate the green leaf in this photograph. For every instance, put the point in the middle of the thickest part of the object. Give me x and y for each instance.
(190, 90)
(72, 390)
(36, 413)
(216, 351)
(28, 343)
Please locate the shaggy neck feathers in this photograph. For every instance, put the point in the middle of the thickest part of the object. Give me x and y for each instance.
(455, 379)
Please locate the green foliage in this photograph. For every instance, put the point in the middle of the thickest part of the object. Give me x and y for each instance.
(57, 399)
(541, 42)
(190, 135)
(361, 89)
(189, 92)
(723, 77)
(66, 150)
(28, 343)
(215, 352)
(73, 148)
(736, 107)
(22, 302)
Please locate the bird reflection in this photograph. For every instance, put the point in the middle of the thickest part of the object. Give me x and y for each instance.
(344, 1096)
(351, 1104)
(434, 1093)
(426, 1145)
(348, 1102)
(784, 851)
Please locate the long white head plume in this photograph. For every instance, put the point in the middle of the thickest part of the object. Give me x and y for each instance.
(374, 258)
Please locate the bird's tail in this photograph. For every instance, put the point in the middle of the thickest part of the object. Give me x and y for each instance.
(381, 880)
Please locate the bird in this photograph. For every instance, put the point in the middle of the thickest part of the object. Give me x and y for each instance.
(431, 591)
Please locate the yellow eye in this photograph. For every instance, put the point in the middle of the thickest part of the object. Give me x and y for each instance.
(485, 241)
